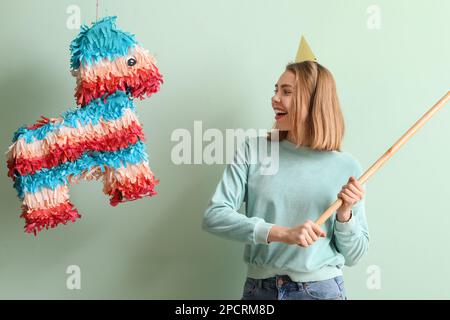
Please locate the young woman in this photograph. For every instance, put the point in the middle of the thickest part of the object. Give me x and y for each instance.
(288, 255)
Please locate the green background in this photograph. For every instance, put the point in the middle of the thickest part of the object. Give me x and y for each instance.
(220, 60)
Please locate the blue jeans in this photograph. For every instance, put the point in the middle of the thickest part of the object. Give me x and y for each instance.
(283, 288)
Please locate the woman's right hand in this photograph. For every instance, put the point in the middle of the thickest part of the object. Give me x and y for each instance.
(303, 235)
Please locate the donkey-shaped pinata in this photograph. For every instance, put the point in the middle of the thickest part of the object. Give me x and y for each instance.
(101, 138)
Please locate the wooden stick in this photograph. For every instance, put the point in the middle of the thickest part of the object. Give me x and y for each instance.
(388, 154)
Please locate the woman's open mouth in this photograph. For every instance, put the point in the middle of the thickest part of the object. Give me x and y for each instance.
(280, 114)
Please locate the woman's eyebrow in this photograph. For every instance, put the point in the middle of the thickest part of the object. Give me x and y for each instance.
(283, 85)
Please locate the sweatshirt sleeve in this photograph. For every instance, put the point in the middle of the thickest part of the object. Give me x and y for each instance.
(221, 217)
(352, 237)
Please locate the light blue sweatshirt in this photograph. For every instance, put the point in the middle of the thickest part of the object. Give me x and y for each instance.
(306, 184)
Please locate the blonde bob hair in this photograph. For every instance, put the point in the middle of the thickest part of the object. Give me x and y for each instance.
(315, 92)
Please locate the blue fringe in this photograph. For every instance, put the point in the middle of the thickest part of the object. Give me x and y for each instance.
(110, 109)
(56, 176)
(101, 40)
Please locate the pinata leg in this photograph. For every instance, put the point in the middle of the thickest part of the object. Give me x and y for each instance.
(47, 208)
(129, 183)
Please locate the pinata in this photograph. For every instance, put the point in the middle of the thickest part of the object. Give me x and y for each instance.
(100, 138)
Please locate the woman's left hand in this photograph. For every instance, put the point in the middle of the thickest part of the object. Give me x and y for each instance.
(350, 194)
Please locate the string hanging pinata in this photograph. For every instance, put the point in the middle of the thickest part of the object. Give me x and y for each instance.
(100, 138)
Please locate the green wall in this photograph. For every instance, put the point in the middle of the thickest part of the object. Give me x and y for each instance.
(220, 60)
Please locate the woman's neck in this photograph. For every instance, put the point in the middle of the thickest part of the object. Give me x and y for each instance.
(290, 138)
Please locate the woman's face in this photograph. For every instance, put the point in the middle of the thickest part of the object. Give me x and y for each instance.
(282, 100)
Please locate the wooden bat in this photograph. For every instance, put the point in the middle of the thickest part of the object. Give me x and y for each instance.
(388, 154)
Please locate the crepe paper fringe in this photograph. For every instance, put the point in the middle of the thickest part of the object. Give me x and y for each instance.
(59, 175)
(143, 83)
(132, 189)
(100, 109)
(38, 219)
(46, 198)
(100, 139)
(70, 150)
(101, 40)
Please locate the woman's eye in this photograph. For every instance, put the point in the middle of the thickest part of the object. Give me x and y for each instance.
(131, 62)
(287, 92)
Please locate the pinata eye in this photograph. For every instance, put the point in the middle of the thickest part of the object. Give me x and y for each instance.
(131, 62)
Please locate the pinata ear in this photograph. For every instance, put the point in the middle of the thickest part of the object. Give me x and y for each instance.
(99, 41)
(304, 52)
(106, 24)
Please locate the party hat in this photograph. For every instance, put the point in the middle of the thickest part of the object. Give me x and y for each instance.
(304, 52)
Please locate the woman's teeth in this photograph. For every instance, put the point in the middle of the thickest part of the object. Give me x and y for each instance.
(279, 115)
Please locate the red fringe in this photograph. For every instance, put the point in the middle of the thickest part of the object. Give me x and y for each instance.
(144, 82)
(128, 191)
(38, 219)
(113, 141)
(40, 122)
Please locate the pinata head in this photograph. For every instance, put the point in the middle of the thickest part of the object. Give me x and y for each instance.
(105, 59)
